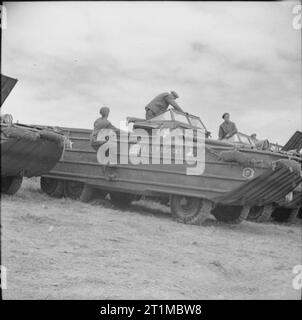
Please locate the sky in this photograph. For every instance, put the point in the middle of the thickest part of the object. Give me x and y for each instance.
(71, 58)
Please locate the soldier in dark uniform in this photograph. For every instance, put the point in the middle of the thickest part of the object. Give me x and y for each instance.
(99, 124)
(228, 128)
(161, 103)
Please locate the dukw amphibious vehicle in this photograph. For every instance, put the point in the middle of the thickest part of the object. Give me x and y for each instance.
(237, 178)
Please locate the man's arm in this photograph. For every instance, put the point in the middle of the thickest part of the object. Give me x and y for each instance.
(111, 126)
(173, 103)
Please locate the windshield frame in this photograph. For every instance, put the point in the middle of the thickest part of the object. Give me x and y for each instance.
(172, 117)
(202, 126)
(175, 112)
(246, 137)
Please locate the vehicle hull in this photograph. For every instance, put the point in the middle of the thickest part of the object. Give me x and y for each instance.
(217, 183)
(28, 151)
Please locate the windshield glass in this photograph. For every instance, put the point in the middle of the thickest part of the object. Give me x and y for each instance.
(181, 118)
(196, 122)
(244, 139)
(166, 116)
(236, 138)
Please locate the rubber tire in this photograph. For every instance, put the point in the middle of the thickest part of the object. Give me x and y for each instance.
(55, 190)
(87, 193)
(10, 185)
(73, 189)
(230, 214)
(264, 215)
(121, 199)
(285, 214)
(193, 214)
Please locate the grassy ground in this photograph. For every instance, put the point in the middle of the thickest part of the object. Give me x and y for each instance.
(65, 249)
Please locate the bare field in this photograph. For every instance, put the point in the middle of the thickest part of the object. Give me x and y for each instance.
(65, 249)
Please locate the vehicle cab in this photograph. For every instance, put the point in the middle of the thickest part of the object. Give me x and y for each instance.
(170, 119)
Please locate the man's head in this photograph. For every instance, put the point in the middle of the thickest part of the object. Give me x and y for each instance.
(226, 117)
(104, 112)
(174, 94)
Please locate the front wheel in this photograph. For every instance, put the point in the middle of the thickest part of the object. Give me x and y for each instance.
(190, 210)
(10, 185)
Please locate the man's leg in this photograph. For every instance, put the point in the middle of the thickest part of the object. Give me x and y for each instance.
(149, 114)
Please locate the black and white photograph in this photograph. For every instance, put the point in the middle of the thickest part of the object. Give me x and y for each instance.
(151, 150)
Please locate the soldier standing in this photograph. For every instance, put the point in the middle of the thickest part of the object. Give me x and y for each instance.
(99, 124)
(228, 128)
(161, 103)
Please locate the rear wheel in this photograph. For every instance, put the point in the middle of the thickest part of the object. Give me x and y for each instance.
(260, 213)
(190, 210)
(121, 199)
(10, 185)
(230, 214)
(285, 214)
(53, 187)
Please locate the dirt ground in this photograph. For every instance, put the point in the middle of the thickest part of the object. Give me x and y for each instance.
(65, 249)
